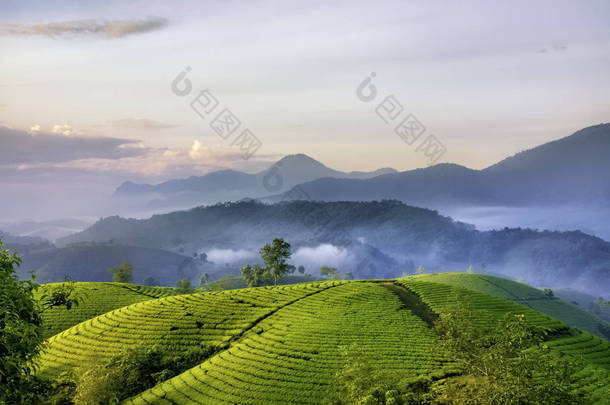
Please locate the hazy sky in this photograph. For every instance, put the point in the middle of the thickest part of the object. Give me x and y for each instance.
(487, 78)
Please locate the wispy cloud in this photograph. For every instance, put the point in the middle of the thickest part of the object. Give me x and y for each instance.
(106, 28)
(140, 123)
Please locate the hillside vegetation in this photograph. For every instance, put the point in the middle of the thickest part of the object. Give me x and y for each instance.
(284, 344)
(96, 299)
(525, 295)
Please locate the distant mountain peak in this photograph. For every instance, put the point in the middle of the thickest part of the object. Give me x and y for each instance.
(299, 159)
(586, 147)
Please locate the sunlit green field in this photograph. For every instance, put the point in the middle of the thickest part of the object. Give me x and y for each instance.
(283, 344)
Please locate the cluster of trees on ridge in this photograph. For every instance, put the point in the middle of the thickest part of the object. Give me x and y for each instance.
(275, 256)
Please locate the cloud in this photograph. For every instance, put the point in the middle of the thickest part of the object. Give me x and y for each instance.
(107, 28)
(140, 123)
(35, 129)
(22, 148)
(64, 129)
(212, 152)
(222, 256)
(197, 150)
(323, 255)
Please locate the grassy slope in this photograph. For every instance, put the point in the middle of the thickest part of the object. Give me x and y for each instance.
(282, 344)
(175, 322)
(290, 357)
(523, 294)
(98, 298)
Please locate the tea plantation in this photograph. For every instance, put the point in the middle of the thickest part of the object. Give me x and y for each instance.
(282, 345)
(96, 299)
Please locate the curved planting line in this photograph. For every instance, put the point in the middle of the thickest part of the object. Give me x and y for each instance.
(175, 321)
(233, 340)
(413, 302)
(268, 314)
(522, 301)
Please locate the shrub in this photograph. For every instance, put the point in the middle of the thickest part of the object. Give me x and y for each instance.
(122, 273)
(184, 284)
(134, 371)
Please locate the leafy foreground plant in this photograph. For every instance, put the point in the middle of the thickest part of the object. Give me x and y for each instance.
(21, 336)
(134, 371)
(506, 364)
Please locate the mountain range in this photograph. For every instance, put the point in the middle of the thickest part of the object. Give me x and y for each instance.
(231, 185)
(571, 170)
(560, 185)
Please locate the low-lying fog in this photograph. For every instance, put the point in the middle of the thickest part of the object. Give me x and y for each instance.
(586, 219)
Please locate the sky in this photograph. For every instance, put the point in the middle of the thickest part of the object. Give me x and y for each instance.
(87, 101)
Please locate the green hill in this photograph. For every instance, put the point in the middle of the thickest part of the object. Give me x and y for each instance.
(97, 299)
(283, 344)
(525, 295)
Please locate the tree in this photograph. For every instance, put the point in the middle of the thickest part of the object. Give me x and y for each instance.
(204, 279)
(420, 270)
(184, 284)
(151, 282)
(328, 272)
(349, 275)
(548, 293)
(20, 328)
(360, 376)
(62, 295)
(505, 363)
(20, 322)
(492, 363)
(254, 275)
(122, 273)
(133, 371)
(275, 257)
(301, 269)
(470, 270)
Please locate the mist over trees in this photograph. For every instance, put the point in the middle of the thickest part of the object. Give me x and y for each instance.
(377, 239)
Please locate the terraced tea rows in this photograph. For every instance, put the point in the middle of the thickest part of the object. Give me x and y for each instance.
(592, 349)
(283, 344)
(97, 299)
(442, 296)
(291, 356)
(176, 322)
(525, 295)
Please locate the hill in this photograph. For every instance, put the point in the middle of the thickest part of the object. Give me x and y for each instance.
(232, 185)
(371, 239)
(101, 297)
(527, 296)
(97, 299)
(283, 344)
(50, 230)
(91, 261)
